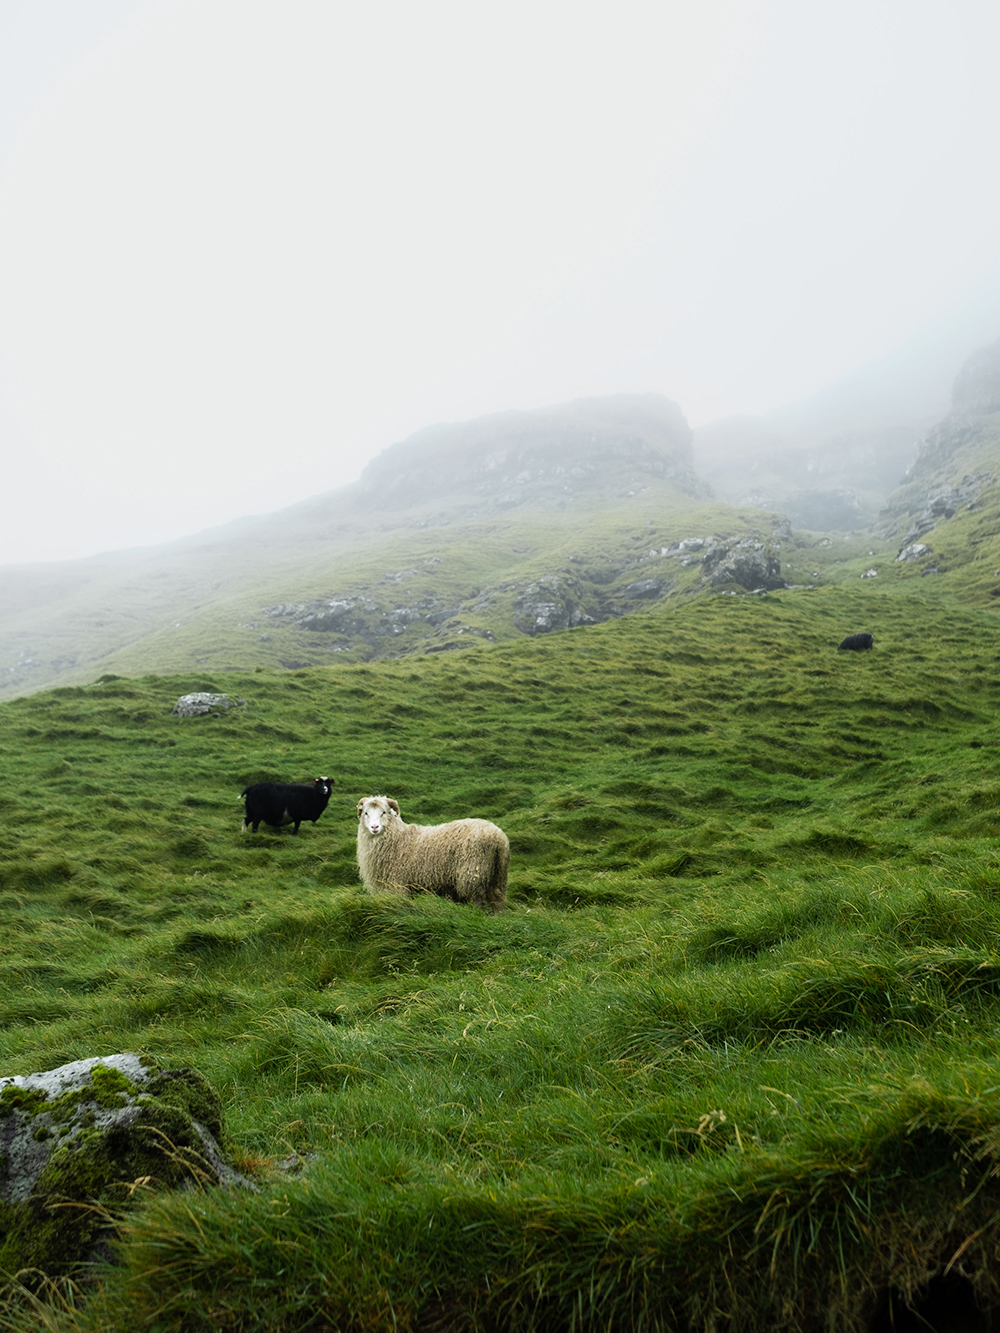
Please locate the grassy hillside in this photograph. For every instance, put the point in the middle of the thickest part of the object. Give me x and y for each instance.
(211, 602)
(495, 499)
(448, 537)
(730, 1059)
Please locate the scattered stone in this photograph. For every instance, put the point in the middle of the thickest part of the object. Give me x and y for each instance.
(198, 705)
(870, 574)
(915, 551)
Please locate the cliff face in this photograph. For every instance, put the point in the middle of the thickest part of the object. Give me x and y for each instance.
(606, 447)
(820, 481)
(830, 461)
(958, 458)
(977, 386)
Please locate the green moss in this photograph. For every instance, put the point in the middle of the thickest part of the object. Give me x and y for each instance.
(97, 1163)
(109, 1087)
(27, 1101)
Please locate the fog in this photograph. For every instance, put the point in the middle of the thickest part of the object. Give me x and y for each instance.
(246, 245)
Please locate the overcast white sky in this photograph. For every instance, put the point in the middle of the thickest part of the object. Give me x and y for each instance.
(247, 244)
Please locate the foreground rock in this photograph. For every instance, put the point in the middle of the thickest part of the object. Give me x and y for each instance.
(76, 1142)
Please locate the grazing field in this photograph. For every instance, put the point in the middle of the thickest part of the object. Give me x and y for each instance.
(730, 1059)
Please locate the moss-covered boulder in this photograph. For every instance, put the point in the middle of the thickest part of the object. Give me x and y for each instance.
(76, 1144)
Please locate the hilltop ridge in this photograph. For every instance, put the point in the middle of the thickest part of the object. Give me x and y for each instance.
(517, 523)
(553, 455)
(459, 520)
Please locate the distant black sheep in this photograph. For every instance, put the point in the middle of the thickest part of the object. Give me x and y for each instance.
(278, 803)
(859, 642)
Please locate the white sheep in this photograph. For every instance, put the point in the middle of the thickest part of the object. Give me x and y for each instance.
(466, 860)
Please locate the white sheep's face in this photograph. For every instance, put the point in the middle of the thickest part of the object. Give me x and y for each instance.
(376, 813)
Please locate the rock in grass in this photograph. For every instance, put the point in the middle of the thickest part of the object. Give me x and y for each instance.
(748, 563)
(77, 1141)
(198, 705)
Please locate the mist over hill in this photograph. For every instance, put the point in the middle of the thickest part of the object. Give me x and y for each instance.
(829, 461)
(958, 460)
(469, 515)
(520, 523)
(593, 447)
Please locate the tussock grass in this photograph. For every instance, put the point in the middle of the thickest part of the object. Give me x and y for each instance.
(729, 1058)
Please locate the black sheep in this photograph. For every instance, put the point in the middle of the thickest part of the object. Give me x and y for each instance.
(859, 642)
(278, 803)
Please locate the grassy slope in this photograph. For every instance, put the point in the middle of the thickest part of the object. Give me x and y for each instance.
(731, 1053)
(202, 602)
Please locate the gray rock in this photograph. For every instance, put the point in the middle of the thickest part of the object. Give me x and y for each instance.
(749, 563)
(198, 705)
(644, 588)
(439, 617)
(915, 551)
(342, 615)
(551, 603)
(84, 1134)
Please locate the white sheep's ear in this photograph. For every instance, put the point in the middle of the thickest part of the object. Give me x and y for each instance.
(393, 806)
(361, 806)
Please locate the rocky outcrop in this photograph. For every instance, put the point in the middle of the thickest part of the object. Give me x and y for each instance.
(359, 618)
(76, 1141)
(915, 551)
(584, 593)
(749, 563)
(940, 482)
(650, 588)
(553, 603)
(916, 508)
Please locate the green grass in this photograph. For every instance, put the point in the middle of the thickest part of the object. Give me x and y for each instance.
(728, 1060)
(203, 604)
